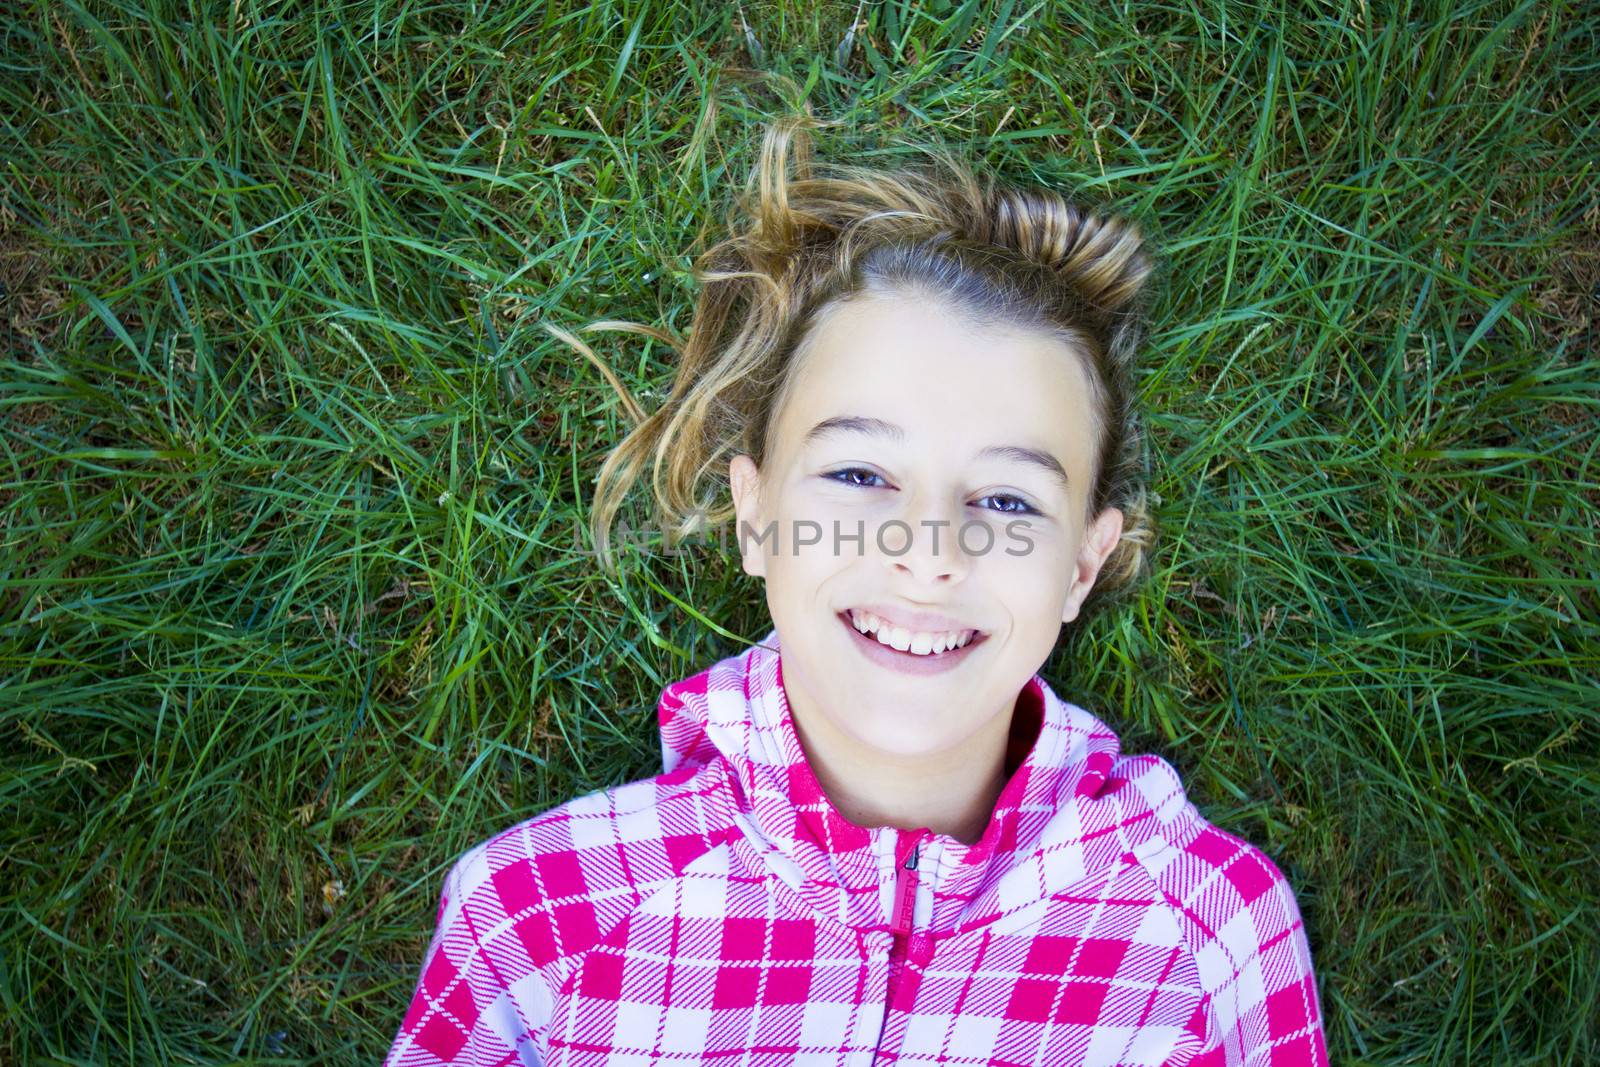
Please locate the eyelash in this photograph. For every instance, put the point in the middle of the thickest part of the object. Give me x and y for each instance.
(1026, 509)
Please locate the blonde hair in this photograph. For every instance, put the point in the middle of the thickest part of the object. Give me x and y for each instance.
(799, 240)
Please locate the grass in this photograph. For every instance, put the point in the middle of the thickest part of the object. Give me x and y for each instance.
(294, 603)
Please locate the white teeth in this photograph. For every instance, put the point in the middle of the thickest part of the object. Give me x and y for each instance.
(916, 643)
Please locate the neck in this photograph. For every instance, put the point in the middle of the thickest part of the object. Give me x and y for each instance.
(951, 792)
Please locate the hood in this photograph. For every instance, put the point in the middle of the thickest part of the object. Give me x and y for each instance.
(1073, 809)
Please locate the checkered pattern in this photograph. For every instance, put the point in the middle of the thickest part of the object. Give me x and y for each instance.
(725, 912)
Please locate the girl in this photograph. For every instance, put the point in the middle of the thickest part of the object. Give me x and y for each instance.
(880, 835)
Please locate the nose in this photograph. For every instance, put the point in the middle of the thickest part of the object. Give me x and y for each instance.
(934, 554)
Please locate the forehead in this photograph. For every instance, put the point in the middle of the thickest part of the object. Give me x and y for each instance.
(914, 361)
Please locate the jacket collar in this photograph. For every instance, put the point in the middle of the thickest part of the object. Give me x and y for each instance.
(1042, 832)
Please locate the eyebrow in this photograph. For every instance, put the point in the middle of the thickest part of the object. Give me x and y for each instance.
(871, 427)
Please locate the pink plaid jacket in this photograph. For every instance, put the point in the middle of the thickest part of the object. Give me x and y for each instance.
(725, 912)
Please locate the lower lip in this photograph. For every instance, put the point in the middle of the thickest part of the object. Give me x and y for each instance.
(909, 662)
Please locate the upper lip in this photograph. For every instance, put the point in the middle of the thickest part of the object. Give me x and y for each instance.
(914, 621)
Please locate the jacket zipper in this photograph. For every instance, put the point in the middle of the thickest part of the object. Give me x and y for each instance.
(905, 908)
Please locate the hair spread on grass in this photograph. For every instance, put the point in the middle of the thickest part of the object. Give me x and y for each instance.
(802, 236)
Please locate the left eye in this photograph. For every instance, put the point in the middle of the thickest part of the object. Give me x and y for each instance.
(844, 477)
(1023, 507)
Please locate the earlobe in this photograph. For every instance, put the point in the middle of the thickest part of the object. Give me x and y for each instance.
(744, 479)
(1098, 542)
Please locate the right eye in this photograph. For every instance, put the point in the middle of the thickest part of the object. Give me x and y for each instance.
(843, 476)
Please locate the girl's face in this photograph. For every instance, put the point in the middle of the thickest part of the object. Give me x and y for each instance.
(935, 474)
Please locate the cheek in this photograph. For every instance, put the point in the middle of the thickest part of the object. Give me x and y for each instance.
(1032, 583)
(802, 559)
(1023, 551)
(822, 527)
(829, 506)
(1032, 595)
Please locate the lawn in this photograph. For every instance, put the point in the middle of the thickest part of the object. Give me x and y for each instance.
(295, 602)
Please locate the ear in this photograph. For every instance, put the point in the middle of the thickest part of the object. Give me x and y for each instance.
(745, 480)
(1098, 541)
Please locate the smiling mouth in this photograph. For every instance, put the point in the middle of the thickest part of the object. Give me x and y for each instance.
(907, 642)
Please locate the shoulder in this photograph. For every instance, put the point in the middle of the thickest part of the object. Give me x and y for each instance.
(535, 895)
(1232, 901)
(1223, 885)
(1242, 925)
(559, 881)
(1235, 913)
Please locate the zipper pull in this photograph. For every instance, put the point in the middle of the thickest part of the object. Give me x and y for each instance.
(905, 887)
